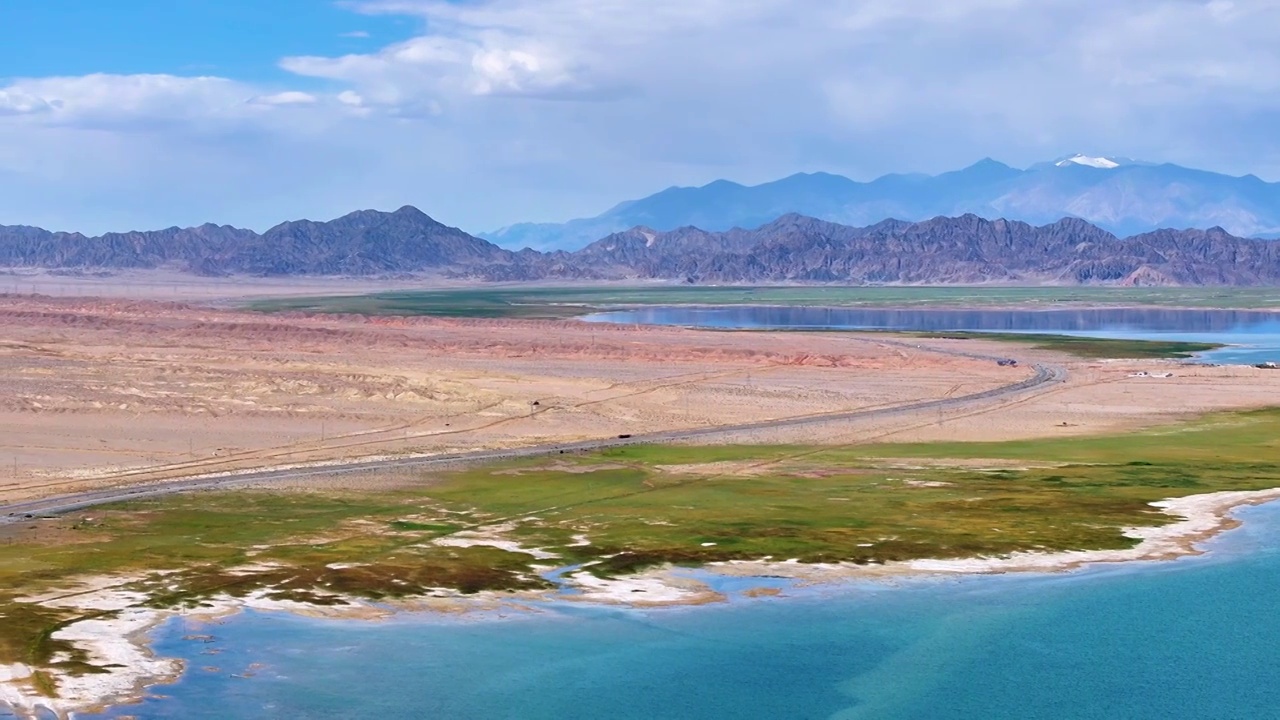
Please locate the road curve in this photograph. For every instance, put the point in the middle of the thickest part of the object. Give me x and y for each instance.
(1045, 375)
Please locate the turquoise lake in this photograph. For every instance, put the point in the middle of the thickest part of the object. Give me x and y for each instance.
(1193, 638)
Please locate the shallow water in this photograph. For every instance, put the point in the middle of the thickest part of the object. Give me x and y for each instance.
(1194, 638)
(1255, 336)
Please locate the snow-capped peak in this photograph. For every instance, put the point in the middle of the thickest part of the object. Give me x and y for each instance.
(1093, 162)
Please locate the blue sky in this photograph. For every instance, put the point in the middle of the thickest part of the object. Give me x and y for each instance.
(128, 114)
(244, 39)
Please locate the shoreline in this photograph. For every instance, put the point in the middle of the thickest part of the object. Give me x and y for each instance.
(1204, 517)
(125, 641)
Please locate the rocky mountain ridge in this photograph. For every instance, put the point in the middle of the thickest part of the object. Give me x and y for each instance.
(365, 242)
(790, 249)
(965, 249)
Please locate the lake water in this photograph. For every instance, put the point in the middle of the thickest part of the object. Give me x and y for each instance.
(1254, 337)
(1194, 638)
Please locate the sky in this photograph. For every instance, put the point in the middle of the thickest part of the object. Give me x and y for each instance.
(141, 114)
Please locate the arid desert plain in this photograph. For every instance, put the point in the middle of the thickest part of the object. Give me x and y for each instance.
(108, 392)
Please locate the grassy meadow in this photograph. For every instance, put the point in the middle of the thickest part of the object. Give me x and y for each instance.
(623, 509)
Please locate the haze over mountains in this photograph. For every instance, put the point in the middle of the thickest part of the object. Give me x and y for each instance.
(793, 248)
(1120, 195)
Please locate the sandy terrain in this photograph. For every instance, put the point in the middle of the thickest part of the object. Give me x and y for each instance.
(179, 286)
(172, 286)
(1099, 397)
(106, 391)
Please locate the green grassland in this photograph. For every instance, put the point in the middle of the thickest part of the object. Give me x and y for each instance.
(1088, 347)
(552, 302)
(634, 506)
(1074, 345)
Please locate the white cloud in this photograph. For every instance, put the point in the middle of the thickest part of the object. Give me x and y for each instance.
(519, 71)
(359, 34)
(290, 97)
(146, 103)
(103, 99)
(395, 77)
(1037, 68)
(15, 101)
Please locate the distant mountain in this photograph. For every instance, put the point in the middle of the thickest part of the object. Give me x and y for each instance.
(966, 249)
(1120, 195)
(791, 249)
(366, 242)
(184, 248)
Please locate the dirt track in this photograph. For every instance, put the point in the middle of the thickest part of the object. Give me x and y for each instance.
(1043, 377)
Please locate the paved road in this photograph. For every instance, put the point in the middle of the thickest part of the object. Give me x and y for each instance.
(1044, 375)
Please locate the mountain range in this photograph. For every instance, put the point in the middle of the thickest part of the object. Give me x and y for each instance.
(792, 248)
(1123, 196)
(965, 249)
(366, 242)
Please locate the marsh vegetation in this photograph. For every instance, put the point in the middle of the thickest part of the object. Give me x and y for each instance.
(500, 528)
